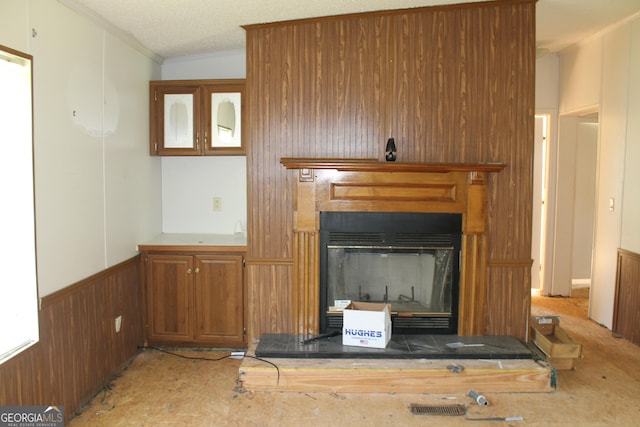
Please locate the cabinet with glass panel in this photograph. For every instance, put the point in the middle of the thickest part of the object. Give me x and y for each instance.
(196, 117)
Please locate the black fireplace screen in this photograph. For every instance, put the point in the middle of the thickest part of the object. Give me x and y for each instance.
(413, 280)
(408, 260)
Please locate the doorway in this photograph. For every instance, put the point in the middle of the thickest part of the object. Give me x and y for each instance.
(540, 179)
(584, 204)
(564, 204)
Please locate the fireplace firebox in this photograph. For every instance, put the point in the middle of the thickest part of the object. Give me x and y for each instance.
(408, 260)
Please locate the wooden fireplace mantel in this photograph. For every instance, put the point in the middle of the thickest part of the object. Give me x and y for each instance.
(369, 185)
(373, 165)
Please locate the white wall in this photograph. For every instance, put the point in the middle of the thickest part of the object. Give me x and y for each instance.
(615, 79)
(581, 76)
(631, 194)
(189, 184)
(603, 72)
(14, 24)
(547, 82)
(231, 64)
(131, 189)
(97, 188)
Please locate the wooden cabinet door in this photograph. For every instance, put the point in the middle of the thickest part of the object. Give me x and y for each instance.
(218, 297)
(169, 298)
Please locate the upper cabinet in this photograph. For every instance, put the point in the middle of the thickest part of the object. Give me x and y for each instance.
(197, 117)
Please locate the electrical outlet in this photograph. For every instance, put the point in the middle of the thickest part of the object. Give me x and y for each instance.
(217, 204)
(118, 323)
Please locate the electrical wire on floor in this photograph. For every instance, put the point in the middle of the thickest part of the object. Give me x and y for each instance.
(232, 355)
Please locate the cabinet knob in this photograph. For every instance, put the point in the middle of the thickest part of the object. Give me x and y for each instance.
(197, 270)
(188, 271)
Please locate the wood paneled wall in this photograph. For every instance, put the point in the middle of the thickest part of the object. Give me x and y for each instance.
(450, 84)
(79, 350)
(626, 309)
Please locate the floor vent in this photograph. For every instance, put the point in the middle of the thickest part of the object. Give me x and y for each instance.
(456, 409)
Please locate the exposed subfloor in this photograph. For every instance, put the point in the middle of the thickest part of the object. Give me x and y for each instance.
(159, 389)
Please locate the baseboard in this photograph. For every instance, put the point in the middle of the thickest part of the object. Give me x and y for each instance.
(580, 283)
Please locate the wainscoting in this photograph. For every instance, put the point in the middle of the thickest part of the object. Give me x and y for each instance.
(79, 350)
(626, 309)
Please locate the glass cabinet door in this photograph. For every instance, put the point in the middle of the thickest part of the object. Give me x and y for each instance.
(197, 117)
(175, 120)
(224, 119)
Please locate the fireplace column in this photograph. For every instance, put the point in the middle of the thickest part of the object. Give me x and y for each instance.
(306, 261)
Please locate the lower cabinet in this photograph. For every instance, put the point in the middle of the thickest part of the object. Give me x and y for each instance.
(195, 299)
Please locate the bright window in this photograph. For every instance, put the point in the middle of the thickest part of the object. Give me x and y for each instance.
(18, 283)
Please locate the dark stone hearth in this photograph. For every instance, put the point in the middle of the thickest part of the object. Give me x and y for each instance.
(400, 347)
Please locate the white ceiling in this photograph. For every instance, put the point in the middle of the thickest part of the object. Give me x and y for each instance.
(173, 28)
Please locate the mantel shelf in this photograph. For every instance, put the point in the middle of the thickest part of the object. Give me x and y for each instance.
(374, 165)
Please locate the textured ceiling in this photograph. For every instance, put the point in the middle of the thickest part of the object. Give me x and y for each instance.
(173, 28)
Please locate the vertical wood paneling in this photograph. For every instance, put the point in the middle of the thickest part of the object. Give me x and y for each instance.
(508, 298)
(22, 378)
(449, 83)
(626, 315)
(79, 349)
(511, 203)
(270, 298)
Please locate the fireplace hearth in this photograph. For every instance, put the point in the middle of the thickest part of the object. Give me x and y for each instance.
(408, 260)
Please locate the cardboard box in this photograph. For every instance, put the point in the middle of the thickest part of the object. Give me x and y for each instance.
(366, 324)
(557, 346)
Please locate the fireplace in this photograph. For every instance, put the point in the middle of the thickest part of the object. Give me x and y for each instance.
(408, 260)
(370, 186)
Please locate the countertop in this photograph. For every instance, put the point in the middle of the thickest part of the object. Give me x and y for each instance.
(195, 242)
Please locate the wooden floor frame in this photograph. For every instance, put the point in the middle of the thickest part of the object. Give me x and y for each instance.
(395, 375)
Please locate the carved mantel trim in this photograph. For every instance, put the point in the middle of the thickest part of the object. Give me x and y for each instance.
(368, 185)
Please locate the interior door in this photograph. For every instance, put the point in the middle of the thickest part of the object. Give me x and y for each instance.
(539, 196)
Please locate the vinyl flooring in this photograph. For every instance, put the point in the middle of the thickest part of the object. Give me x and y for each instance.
(160, 389)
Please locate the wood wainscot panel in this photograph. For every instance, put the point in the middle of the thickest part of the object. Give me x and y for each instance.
(269, 297)
(82, 349)
(626, 309)
(23, 378)
(79, 350)
(509, 287)
(344, 185)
